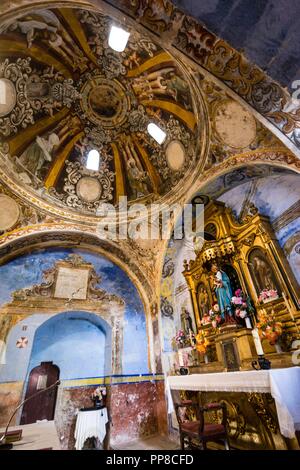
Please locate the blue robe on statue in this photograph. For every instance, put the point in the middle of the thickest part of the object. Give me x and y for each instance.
(224, 294)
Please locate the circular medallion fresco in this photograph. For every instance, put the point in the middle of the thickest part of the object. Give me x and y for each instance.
(89, 189)
(69, 93)
(9, 212)
(234, 124)
(8, 96)
(104, 102)
(175, 154)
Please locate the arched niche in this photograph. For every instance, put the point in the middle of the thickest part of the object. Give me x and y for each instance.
(79, 342)
(109, 295)
(261, 271)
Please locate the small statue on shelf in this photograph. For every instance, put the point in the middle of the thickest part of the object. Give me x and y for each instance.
(186, 321)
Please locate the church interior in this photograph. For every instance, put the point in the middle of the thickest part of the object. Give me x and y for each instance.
(149, 342)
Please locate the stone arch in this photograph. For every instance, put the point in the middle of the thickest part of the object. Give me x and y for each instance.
(35, 242)
(278, 159)
(112, 342)
(45, 235)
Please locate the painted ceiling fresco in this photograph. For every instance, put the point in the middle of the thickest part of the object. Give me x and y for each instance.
(224, 183)
(259, 28)
(67, 92)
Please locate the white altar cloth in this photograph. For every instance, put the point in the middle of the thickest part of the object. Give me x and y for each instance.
(90, 423)
(282, 384)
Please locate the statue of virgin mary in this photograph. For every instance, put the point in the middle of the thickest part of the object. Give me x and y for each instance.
(223, 290)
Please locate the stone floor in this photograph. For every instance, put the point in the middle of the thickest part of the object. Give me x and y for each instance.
(156, 442)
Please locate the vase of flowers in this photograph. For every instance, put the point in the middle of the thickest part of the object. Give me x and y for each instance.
(98, 397)
(242, 306)
(269, 328)
(215, 316)
(206, 319)
(179, 339)
(202, 343)
(267, 295)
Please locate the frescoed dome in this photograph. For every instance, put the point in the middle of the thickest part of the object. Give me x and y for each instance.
(66, 93)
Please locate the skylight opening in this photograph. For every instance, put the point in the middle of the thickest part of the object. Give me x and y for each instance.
(156, 132)
(118, 39)
(93, 160)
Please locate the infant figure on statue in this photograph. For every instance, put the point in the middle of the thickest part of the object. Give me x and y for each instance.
(223, 293)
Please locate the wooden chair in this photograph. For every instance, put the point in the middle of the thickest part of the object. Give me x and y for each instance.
(198, 429)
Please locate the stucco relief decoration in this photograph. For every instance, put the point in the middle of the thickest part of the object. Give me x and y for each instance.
(234, 128)
(72, 261)
(19, 113)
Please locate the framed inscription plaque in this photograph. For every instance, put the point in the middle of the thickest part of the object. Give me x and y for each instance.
(71, 283)
(230, 356)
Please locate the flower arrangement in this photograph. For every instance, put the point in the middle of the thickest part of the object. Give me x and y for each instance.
(206, 319)
(239, 302)
(98, 394)
(267, 295)
(215, 316)
(180, 338)
(269, 328)
(201, 341)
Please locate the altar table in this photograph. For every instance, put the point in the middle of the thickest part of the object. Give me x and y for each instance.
(282, 384)
(91, 423)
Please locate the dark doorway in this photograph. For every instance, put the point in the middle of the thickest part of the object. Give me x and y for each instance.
(43, 405)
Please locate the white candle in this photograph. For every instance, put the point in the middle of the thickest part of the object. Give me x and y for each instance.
(257, 342)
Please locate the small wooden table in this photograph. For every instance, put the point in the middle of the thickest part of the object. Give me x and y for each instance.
(90, 423)
(37, 436)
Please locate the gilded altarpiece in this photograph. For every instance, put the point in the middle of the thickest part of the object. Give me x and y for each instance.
(248, 251)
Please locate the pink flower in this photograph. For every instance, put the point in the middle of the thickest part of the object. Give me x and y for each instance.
(273, 293)
(238, 293)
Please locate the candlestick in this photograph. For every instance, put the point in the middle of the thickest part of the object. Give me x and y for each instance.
(257, 342)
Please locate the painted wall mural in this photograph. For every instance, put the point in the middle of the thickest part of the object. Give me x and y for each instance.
(278, 197)
(82, 312)
(41, 329)
(175, 300)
